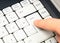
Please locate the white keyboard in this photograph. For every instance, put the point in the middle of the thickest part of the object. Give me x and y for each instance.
(16, 23)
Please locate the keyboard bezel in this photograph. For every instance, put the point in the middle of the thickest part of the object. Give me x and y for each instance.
(51, 8)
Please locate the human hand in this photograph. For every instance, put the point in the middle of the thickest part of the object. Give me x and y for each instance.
(50, 24)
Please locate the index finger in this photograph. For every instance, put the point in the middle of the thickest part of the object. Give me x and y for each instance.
(50, 24)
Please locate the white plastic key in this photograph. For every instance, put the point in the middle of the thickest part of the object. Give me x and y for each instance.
(30, 30)
(9, 39)
(12, 27)
(21, 42)
(48, 17)
(1, 13)
(26, 10)
(3, 32)
(16, 6)
(11, 17)
(32, 1)
(51, 40)
(7, 10)
(3, 21)
(24, 3)
(31, 18)
(19, 35)
(38, 5)
(44, 13)
(22, 23)
(38, 37)
(1, 41)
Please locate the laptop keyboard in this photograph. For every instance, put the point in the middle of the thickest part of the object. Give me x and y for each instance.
(16, 23)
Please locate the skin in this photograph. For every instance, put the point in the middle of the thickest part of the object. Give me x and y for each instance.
(51, 24)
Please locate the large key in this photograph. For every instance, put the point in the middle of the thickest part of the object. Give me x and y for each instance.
(26, 10)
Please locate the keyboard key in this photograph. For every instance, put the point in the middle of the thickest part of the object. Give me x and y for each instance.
(31, 18)
(30, 30)
(32, 1)
(44, 13)
(12, 27)
(3, 32)
(21, 42)
(24, 3)
(11, 17)
(48, 17)
(19, 35)
(9, 39)
(16, 6)
(3, 21)
(51, 40)
(29, 41)
(26, 10)
(22, 23)
(38, 5)
(1, 13)
(7, 10)
(38, 37)
(1, 41)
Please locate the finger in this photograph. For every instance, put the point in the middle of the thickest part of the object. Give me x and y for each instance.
(51, 24)
(58, 38)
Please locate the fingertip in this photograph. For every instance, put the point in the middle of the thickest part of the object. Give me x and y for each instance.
(50, 24)
(36, 22)
(44, 24)
(39, 23)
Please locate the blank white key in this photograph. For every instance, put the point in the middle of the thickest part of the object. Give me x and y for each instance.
(26, 10)
(38, 37)
(48, 17)
(22, 23)
(3, 21)
(19, 35)
(38, 5)
(32, 1)
(11, 17)
(21, 42)
(12, 27)
(51, 40)
(1, 41)
(44, 13)
(30, 30)
(7, 10)
(1, 13)
(24, 3)
(16, 6)
(3, 32)
(9, 39)
(31, 18)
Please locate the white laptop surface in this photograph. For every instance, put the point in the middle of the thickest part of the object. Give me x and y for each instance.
(57, 4)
